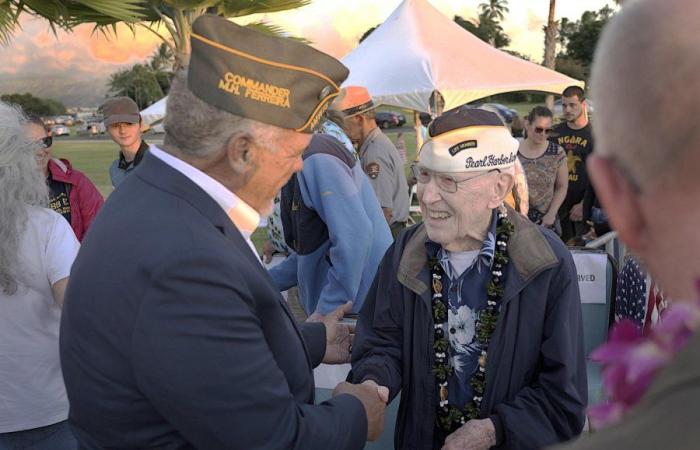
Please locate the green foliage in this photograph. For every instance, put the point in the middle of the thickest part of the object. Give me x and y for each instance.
(367, 33)
(34, 105)
(145, 83)
(494, 10)
(579, 38)
(486, 29)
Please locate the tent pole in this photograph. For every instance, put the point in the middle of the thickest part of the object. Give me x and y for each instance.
(419, 135)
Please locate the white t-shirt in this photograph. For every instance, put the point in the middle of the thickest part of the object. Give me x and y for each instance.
(32, 393)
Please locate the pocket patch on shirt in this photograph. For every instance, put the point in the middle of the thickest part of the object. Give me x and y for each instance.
(372, 170)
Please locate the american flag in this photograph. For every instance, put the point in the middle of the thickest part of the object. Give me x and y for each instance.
(638, 298)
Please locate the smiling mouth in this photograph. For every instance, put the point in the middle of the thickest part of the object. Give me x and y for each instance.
(439, 215)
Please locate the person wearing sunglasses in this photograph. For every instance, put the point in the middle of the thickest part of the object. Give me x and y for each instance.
(545, 169)
(474, 314)
(71, 193)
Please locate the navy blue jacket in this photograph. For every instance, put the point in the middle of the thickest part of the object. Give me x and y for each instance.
(173, 335)
(535, 374)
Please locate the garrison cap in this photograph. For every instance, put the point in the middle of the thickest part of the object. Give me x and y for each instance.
(270, 79)
(468, 139)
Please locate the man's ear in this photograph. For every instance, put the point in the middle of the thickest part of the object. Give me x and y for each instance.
(501, 189)
(619, 200)
(239, 152)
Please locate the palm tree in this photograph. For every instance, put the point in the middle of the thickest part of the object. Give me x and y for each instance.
(494, 9)
(550, 45)
(175, 16)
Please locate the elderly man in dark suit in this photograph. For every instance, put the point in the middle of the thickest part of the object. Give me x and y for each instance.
(175, 336)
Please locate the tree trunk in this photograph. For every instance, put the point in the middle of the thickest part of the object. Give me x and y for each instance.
(550, 46)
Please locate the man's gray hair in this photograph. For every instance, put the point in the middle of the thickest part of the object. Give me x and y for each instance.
(22, 185)
(196, 129)
(646, 85)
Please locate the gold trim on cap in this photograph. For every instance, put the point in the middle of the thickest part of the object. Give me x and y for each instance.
(313, 114)
(263, 61)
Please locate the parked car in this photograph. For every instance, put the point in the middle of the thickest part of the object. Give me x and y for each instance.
(389, 119)
(92, 129)
(508, 114)
(60, 130)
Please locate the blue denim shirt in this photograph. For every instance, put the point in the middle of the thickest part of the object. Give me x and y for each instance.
(466, 297)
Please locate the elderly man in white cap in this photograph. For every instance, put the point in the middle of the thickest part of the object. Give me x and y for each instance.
(474, 314)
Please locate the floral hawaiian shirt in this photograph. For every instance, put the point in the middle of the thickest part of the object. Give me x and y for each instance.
(466, 296)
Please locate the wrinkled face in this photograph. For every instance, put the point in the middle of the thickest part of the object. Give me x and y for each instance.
(274, 159)
(540, 128)
(572, 108)
(43, 154)
(126, 135)
(451, 219)
(353, 128)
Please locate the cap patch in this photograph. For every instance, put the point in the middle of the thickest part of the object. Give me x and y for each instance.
(462, 146)
(255, 90)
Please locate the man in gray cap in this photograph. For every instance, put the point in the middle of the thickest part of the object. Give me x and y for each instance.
(177, 337)
(123, 122)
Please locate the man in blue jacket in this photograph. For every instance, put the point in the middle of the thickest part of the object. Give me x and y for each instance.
(176, 337)
(333, 221)
(474, 314)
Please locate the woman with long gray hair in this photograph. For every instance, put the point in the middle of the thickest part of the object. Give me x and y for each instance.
(37, 249)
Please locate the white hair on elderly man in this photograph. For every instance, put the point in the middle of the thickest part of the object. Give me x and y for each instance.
(22, 185)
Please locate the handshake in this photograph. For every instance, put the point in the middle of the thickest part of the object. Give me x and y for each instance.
(374, 398)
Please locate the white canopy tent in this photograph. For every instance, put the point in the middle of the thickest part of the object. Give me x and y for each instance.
(418, 50)
(155, 112)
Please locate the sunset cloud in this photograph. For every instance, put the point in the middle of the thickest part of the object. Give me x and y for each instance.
(333, 26)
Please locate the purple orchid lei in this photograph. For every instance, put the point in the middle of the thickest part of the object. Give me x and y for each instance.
(631, 359)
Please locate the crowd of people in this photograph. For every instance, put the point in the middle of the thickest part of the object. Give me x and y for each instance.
(177, 336)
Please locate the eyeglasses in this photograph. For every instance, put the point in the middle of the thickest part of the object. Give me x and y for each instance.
(540, 130)
(444, 181)
(45, 142)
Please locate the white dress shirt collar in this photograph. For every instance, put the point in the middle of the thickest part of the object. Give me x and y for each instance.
(243, 216)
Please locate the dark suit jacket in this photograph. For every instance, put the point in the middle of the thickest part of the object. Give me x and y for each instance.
(173, 335)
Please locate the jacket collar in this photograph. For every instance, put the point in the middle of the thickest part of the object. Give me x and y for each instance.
(60, 170)
(157, 173)
(124, 164)
(529, 251)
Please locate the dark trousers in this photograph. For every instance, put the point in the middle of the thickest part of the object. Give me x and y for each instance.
(52, 437)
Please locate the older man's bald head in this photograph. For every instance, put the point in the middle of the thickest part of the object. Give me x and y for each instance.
(646, 81)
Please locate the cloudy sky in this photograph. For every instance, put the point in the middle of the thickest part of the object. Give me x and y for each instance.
(333, 26)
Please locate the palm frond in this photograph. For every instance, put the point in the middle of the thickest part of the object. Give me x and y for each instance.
(238, 8)
(274, 30)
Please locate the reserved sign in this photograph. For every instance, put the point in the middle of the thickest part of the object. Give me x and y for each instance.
(591, 268)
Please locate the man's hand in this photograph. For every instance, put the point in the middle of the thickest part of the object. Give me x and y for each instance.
(473, 435)
(338, 335)
(548, 220)
(268, 250)
(369, 395)
(576, 212)
(383, 391)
